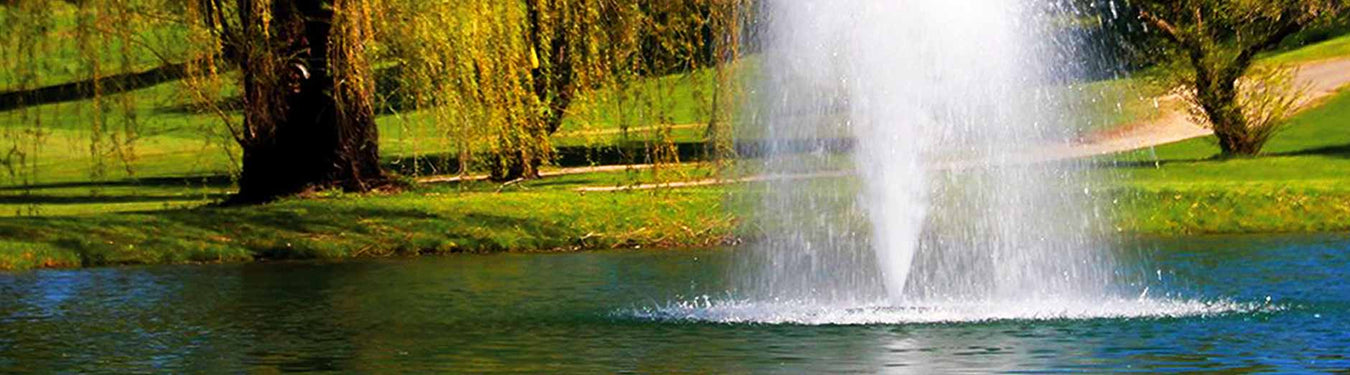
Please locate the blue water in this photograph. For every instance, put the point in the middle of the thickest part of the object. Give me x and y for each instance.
(1224, 303)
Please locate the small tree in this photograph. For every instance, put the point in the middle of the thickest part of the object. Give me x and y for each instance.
(1219, 40)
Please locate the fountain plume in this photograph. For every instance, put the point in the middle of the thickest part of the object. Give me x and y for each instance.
(920, 86)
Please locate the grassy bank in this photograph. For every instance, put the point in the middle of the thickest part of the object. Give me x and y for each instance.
(1300, 184)
(438, 219)
(1174, 189)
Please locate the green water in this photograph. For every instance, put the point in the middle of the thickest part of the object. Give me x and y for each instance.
(590, 313)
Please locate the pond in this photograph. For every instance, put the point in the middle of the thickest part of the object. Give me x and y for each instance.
(589, 313)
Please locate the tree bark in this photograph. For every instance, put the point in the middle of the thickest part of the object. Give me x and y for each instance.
(302, 131)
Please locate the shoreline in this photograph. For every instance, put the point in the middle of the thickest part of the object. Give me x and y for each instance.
(421, 222)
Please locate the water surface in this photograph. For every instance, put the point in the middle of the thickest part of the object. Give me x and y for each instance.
(629, 311)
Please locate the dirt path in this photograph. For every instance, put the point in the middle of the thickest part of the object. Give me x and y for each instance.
(594, 132)
(1323, 78)
(547, 173)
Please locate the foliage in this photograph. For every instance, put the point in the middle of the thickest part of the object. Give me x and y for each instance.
(1114, 40)
(480, 82)
(505, 75)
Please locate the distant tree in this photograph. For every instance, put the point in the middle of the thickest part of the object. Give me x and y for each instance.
(1112, 39)
(1219, 40)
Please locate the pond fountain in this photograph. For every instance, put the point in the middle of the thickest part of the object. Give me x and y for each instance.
(914, 203)
(944, 217)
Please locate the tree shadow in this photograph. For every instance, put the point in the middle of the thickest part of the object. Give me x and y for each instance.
(563, 156)
(94, 199)
(580, 180)
(218, 180)
(86, 89)
(1339, 151)
(631, 152)
(1144, 164)
(391, 98)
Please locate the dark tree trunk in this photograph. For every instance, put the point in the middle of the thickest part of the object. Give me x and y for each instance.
(304, 132)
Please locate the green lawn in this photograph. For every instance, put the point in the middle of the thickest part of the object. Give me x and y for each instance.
(537, 216)
(1330, 48)
(1302, 183)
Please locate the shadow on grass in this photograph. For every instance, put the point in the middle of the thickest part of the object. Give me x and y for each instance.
(564, 156)
(1137, 164)
(1339, 151)
(111, 198)
(86, 89)
(176, 181)
(631, 153)
(571, 181)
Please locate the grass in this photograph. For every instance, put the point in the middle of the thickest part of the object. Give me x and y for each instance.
(1301, 184)
(1338, 46)
(437, 219)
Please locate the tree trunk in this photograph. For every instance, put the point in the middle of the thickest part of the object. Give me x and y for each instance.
(553, 75)
(303, 131)
(1216, 92)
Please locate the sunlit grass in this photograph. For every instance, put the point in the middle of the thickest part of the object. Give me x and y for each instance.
(535, 216)
(1331, 48)
(1302, 183)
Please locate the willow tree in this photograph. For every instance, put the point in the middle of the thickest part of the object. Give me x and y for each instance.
(500, 77)
(309, 120)
(470, 66)
(1220, 40)
(586, 45)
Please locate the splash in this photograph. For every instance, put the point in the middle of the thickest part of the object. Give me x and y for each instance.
(882, 312)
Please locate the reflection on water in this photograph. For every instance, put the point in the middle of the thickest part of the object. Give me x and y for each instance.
(584, 313)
